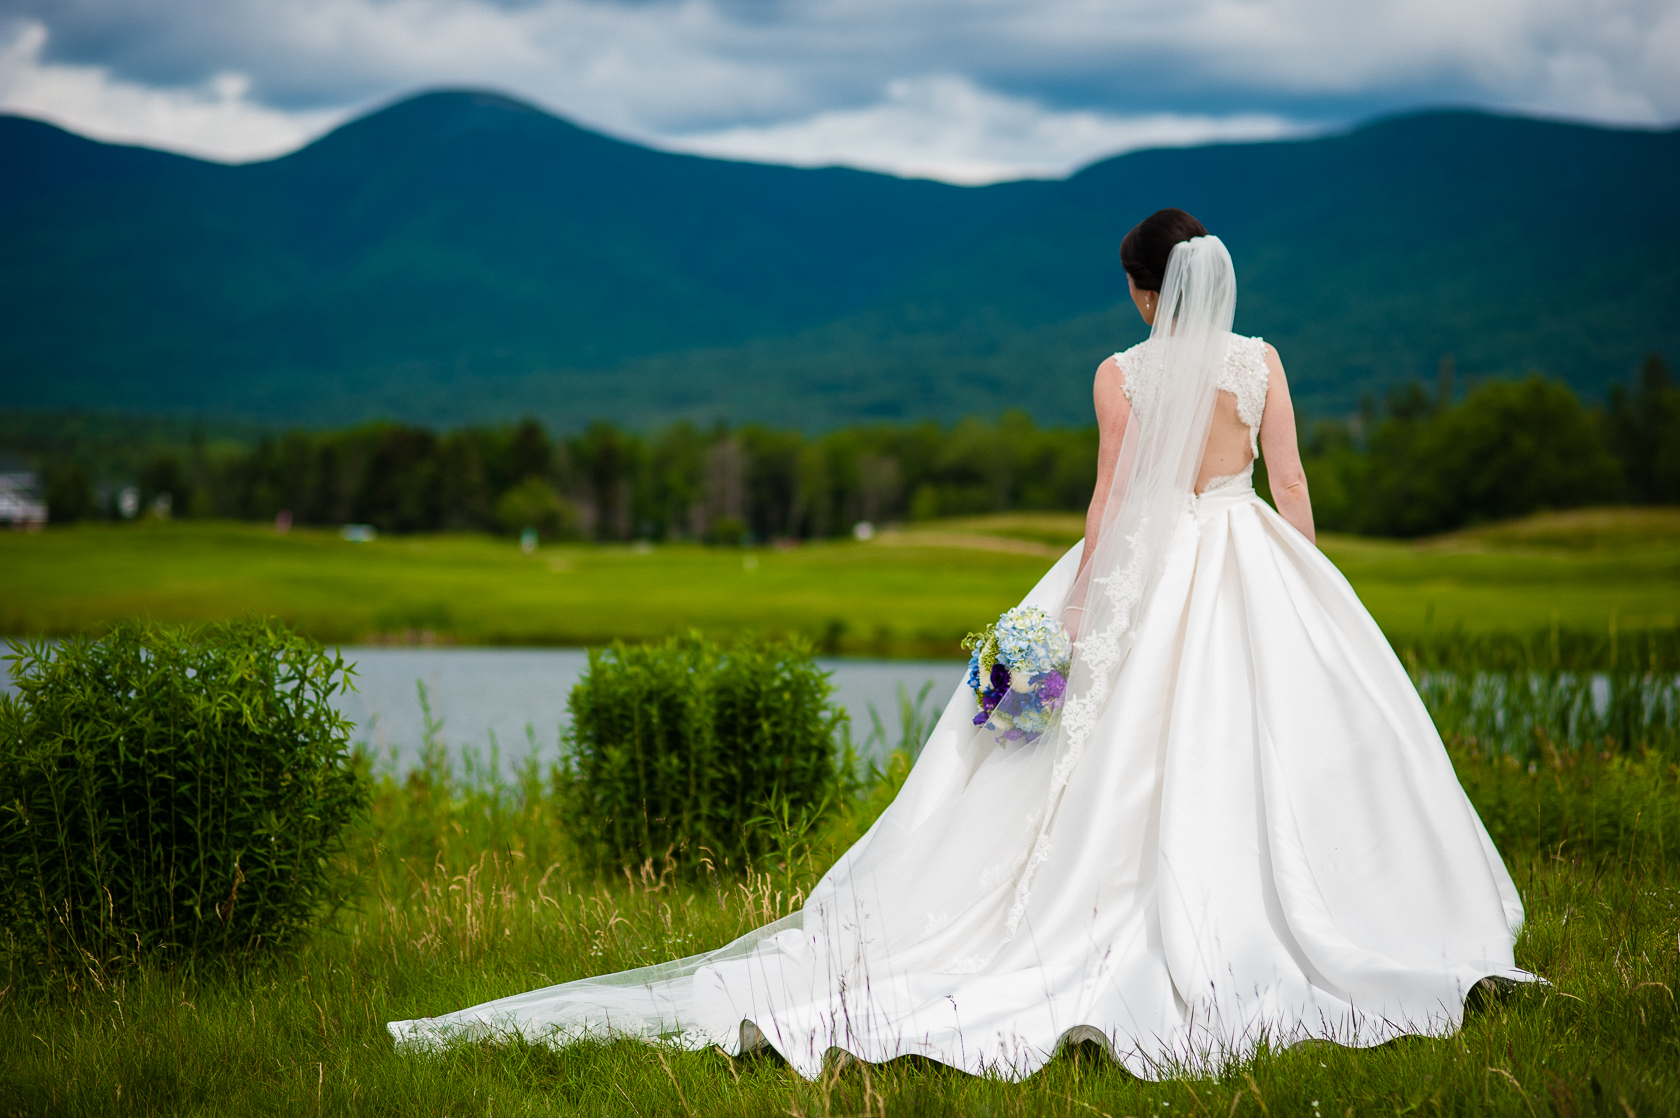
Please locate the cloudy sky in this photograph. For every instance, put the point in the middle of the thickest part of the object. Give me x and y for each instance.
(964, 90)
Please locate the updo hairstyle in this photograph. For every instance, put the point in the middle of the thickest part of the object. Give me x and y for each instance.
(1144, 251)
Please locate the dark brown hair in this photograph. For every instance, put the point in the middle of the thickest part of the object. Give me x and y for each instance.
(1144, 251)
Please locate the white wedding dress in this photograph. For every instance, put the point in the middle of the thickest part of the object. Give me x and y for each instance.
(1260, 840)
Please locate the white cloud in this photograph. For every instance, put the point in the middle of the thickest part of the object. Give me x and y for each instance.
(974, 89)
(214, 120)
(945, 127)
(1614, 60)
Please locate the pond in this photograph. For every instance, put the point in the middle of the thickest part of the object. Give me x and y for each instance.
(487, 697)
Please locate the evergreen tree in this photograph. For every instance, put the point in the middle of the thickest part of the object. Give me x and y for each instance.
(1645, 433)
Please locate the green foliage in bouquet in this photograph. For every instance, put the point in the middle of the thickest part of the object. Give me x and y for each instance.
(678, 749)
(171, 792)
(983, 646)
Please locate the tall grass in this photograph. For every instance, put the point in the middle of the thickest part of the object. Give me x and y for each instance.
(470, 890)
(1567, 742)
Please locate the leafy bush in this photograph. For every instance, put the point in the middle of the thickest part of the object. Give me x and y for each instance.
(1510, 449)
(533, 503)
(172, 792)
(678, 748)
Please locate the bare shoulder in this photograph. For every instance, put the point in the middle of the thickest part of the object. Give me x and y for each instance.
(1111, 377)
(1109, 391)
(1277, 383)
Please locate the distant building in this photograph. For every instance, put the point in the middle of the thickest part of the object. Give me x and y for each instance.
(21, 505)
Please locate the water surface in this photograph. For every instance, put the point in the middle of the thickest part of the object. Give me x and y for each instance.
(510, 697)
(507, 698)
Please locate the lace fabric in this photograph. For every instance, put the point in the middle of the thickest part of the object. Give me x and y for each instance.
(1244, 375)
(1242, 479)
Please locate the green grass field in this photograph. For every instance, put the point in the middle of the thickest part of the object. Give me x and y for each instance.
(469, 894)
(909, 592)
(305, 1035)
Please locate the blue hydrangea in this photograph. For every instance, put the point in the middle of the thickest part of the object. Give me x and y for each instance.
(1030, 642)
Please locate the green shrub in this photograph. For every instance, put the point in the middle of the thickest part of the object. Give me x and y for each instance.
(172, 792)
(533, 503)
(677, 748)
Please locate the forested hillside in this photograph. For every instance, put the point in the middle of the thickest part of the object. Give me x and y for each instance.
(461, 257)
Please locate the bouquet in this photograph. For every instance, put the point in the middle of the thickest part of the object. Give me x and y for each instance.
(1018, 672)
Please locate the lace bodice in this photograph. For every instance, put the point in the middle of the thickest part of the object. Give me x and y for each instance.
(1244, 376)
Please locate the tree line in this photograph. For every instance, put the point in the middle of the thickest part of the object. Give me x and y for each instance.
(718, 484)
(1431, 463)
(1423, 462)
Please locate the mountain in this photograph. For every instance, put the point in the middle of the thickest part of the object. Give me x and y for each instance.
(462, 256)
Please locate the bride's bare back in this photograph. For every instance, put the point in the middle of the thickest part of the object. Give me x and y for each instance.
(1229, 447)
(1228, 451)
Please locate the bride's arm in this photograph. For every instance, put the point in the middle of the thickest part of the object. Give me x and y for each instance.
(1283, 455)
(1113, 409)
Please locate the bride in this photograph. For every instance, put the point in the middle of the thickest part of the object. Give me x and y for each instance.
(1241, 827)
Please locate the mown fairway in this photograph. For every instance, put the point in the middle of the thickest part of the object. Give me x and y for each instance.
(911, 592)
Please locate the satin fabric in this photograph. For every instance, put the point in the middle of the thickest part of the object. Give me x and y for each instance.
(1264, 843)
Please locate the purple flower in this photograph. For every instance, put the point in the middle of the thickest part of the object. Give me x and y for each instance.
(990, 700)
(1000, 678)
(1052, 687)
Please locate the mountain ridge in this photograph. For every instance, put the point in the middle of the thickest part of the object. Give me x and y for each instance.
(461, 256)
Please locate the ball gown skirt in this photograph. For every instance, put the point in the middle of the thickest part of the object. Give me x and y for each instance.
(1263, 842)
